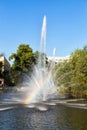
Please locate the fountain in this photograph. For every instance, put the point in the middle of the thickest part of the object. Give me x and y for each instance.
(38, 88)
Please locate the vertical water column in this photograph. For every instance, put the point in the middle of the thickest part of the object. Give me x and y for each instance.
(43, 45)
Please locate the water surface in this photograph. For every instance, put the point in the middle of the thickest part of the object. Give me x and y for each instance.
(56, 117)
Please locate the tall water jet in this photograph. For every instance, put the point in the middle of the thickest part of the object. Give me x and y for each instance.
(40, 86)
(43, 44)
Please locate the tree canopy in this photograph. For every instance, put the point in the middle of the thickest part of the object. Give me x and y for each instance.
(23, 61)
(72, 74)
(23, 58)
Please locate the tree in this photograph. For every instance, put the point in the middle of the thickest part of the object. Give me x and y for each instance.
(23, 61)
(36, 56)
(62, 72)
(72, 75)
(23, 58)
(79, 65)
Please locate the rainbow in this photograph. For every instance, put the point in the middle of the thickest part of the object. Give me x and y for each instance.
(33, 94)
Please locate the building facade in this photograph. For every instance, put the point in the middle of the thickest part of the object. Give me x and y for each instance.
(58, 59)
(5, 67)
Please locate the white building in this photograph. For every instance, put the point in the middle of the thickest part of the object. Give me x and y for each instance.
(58, 59)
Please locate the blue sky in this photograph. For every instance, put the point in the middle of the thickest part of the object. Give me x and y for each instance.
(21, 22)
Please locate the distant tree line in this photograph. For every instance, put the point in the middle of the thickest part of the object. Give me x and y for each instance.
(71, 75)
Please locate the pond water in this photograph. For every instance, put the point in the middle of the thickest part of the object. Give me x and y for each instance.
(58, 117)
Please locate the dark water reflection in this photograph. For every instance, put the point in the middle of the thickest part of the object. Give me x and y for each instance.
(56, 118)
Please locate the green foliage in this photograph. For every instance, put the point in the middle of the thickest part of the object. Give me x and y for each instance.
(23, 61)
(36, 55)
(72, 74)
(23, 58)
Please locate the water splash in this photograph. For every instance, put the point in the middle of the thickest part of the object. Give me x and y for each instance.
(41, 84)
